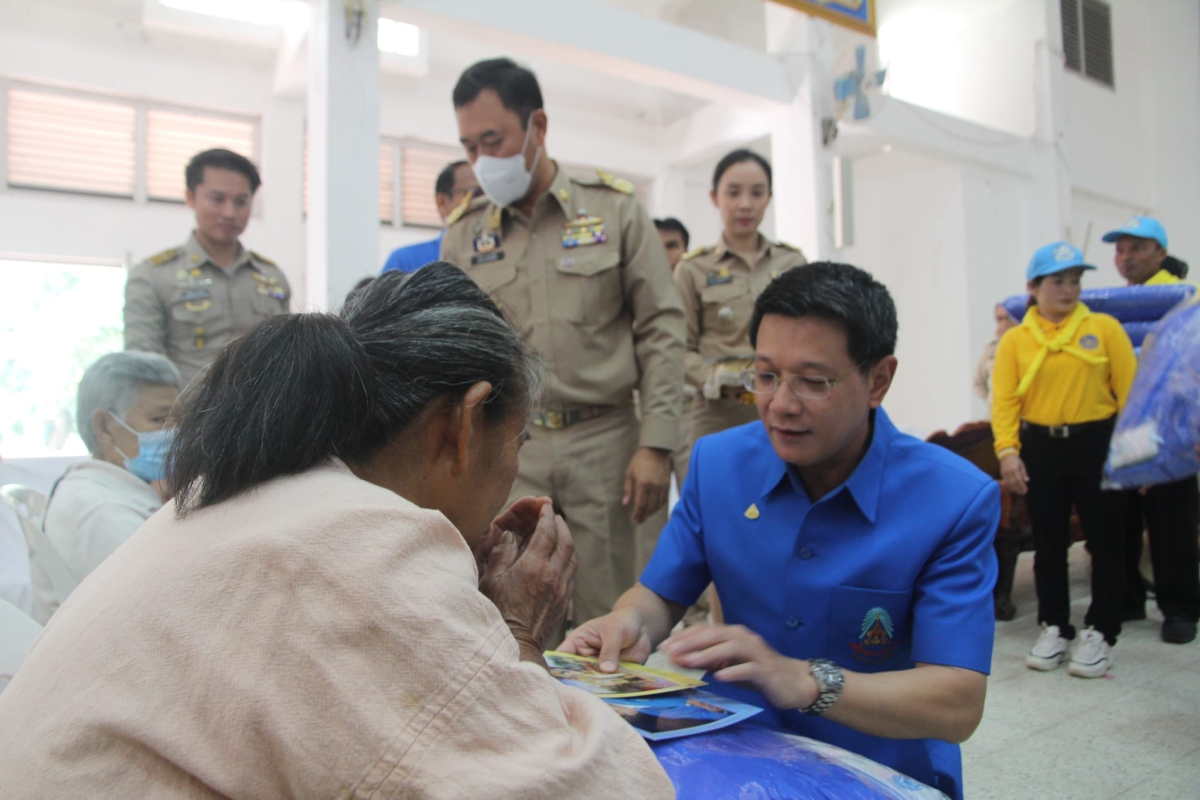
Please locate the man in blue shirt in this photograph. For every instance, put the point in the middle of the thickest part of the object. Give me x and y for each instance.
(456, 184)
(854, 563)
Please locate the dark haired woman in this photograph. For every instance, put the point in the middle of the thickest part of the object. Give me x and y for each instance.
(719, 285)
(329, 609)
(1059, 380)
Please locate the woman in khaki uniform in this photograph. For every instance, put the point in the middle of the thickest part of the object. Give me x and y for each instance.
(719, 285)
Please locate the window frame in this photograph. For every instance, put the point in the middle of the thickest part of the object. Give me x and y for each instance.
(141, 107)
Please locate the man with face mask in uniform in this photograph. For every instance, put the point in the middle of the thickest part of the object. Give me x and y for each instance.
(578, 267)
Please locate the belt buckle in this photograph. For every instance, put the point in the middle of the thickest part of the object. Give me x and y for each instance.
(555, 420)
(1059, 431)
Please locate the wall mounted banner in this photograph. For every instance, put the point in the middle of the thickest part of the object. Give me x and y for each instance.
(857, 15)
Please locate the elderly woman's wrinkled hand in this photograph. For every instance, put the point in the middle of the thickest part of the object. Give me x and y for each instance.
(530, 578)
(520, 519)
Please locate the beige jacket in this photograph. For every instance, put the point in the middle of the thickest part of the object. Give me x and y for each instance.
(318, 637)
(718, 288)
(586, 281)
(180, 304)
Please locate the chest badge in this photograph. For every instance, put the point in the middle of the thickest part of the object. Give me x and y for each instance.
(718, 277)
(752, 512)
(876, 640)
(725, 313)
(486, 242)
(584, 230)
(1089, 342)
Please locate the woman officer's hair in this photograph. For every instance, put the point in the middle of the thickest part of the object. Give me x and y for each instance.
(739, 157)
(303, 388)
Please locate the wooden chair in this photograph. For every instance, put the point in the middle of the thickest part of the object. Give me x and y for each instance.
(973, 441)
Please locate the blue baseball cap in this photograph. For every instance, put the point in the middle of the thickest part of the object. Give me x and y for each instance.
(1142, 227)
(1055, 257)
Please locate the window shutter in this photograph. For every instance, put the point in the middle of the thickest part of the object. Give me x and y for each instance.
(1097, 41)
(1070, 34)
(419, 169)
(70, 143)
(387, 183)
(173, 137)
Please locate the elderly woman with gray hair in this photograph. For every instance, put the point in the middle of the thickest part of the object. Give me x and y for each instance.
(333, 605)
(123, 403)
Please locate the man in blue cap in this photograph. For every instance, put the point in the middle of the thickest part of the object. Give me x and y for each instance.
(1141, 249)
(1169, 512)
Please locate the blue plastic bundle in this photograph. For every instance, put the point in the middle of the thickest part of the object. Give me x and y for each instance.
(1158, 430)
(752, 761)
(1129, 304)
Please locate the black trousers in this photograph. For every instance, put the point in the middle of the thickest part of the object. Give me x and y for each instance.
(1170, 513)
(1062, 473)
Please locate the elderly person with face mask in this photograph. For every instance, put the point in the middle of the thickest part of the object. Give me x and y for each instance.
(330, 607)
(122, 407)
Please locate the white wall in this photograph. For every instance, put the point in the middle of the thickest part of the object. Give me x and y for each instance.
(972, 60)
(920, 256)
(69, 47)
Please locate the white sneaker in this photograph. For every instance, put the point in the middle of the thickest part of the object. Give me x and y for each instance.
(1049, 650)
(1091, 656)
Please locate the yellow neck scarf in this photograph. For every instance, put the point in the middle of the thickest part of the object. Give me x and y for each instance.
(1061, 343)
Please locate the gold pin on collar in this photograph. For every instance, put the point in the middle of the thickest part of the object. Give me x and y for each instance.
(752, 512)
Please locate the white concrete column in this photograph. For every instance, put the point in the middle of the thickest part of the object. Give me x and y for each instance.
(1050, 209)
(343, 152)
(282, 193)
(802, 165)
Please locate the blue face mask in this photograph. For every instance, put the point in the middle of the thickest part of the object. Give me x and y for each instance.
(150, 464)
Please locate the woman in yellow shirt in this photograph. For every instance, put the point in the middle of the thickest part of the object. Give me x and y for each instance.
(1059, 380)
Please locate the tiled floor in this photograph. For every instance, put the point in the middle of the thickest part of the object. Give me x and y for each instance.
(1134, 734)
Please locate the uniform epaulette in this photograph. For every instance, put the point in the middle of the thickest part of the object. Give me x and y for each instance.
(158, 259)
(699, 251)
(462, 208)
(613, 182)
(263, 259)
(789, 246)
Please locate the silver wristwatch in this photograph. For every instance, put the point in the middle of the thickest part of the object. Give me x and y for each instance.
(830, 681)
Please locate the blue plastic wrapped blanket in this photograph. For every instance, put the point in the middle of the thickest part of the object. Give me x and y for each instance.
(753, 762)
(1159, 427)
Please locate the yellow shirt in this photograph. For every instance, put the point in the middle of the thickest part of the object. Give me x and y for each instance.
(1067, 389)
(1160, 278)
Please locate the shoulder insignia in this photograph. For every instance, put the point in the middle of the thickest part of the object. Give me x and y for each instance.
(788, 245)
(468, 204)
(263, 259)
(613, 182)
(699, 251)
(158, 259)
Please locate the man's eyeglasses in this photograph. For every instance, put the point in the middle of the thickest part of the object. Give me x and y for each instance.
(805, 387)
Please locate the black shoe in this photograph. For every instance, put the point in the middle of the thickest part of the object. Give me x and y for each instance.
(1177, 630)
(1134, 613)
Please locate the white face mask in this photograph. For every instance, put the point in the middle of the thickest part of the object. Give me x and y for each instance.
(505, 180)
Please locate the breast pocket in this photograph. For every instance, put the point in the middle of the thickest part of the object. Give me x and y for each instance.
(499, 280)
(267, 306)
(588, 288)
(725, 307)
(870, 630)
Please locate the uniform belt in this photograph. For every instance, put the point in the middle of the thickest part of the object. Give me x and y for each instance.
(1067, 431)
(554, 420)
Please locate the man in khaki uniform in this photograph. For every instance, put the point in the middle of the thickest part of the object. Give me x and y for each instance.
(577, 266)
(719, 287)
(188, 302)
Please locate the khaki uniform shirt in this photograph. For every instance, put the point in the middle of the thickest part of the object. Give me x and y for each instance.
(719, 289)
(182, 305)
(587, 283)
